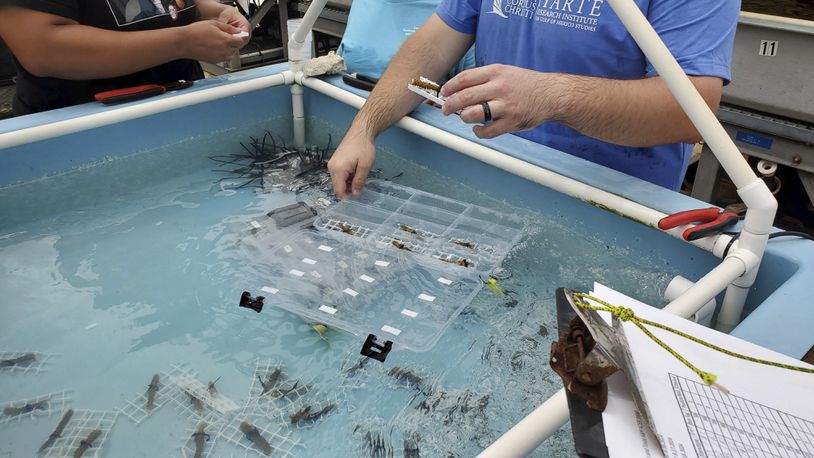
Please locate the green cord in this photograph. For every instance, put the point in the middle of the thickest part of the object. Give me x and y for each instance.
(626, 314)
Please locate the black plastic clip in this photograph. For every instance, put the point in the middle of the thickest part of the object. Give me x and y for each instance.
(379, 352)
(254, 303)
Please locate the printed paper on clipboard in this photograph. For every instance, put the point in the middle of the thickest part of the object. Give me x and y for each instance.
(688, 417)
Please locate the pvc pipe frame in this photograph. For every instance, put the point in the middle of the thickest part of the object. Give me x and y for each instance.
(761, 205)
(295, 45)
(126, 113)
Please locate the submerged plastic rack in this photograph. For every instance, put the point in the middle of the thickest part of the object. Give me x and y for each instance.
(277, 435)
(24, 362)
(41, 406)
(395, 262)
(81, 425)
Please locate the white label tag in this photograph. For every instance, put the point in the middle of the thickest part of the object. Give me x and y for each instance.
(296, 272)
(255, 225)
(270, 290)
(328, 310)
(309, 261)
(426, 297)
(325, 248)
(768, 48)
(382, 263)
(410, 313)
(350, 292)
(391, 330)
(367, 279)
(444, 281)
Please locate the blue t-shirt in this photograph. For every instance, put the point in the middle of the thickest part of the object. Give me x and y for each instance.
(585, 37)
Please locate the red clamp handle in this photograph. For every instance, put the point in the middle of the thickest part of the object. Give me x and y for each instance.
(129, 94)
(714, 221)
(689, 216)
(713, 227)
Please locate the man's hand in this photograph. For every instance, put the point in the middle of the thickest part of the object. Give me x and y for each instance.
(351, 162)
(636, 113)
(211, 41)
(519, 99)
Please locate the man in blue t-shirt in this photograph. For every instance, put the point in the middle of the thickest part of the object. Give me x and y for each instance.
(564, 73)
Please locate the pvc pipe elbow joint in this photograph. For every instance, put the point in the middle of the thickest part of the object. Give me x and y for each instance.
(762, 207)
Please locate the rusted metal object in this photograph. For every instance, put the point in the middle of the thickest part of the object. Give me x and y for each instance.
(582, 367)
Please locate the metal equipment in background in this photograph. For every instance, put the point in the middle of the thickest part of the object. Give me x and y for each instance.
(7, 72)
(768, 110)
(269, 25)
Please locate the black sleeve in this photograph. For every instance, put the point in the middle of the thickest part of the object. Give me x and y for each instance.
(64, 8)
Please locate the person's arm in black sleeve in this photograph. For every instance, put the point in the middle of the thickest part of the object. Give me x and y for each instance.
(58, 46)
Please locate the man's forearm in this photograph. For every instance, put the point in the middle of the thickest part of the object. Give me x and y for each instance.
(430, 52)
(636, 113)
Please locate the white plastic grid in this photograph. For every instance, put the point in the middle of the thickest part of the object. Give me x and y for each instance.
(209, 429)
(191, 398)
(275, 433)
(81, 425)
(289, 396)
(136, 409)
(275, 378)
(345, 227)
(431, 226)
(41, 406)
(451, 259)
(34, 366)
(402, 244)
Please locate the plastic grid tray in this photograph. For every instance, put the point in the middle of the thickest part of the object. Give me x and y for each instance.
(396, 262)
(35, 366)
(435, 229)
(41, 406)
(81, 425)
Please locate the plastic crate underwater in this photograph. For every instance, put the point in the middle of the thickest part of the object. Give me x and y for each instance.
(395, 262)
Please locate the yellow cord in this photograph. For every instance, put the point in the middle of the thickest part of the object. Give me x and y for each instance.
(626, 314)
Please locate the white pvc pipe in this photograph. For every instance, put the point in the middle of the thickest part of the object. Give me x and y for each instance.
(761, 205)
(731, 308)
(565, 185)
(297, 40)
(126, 113)
(298, 110)
(308, 20)
(531, 431)
(684, 91)
(709, 286)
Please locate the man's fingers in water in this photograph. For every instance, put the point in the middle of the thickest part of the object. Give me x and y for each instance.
(467, 78)
(340, 179)
(362, 170)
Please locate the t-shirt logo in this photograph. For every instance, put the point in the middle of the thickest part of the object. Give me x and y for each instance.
(497, 8)
(129, 12)
(574, 14)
